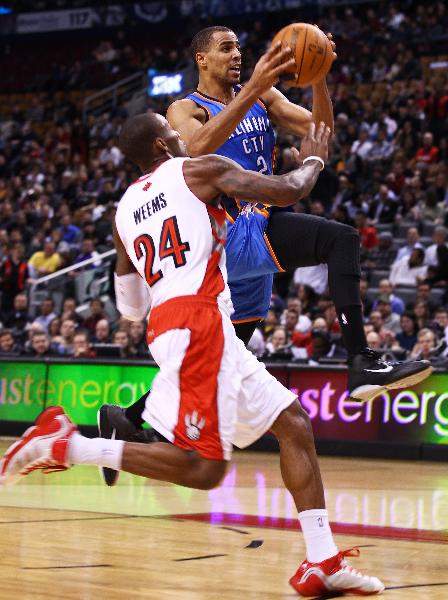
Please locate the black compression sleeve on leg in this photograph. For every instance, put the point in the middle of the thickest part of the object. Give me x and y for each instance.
(338, 245)
(245, 330)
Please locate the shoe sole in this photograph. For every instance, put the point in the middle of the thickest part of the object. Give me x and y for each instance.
(364, 393)
(109, 476)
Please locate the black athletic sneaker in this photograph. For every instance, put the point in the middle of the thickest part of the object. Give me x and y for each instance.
(113, 424)
(369, 376)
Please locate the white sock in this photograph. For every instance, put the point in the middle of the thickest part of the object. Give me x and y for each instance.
(318, 536)
(96, 451)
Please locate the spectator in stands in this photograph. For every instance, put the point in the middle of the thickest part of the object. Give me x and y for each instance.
(44, 262)
(96, 313)
(102, 332)
(54, 328)
(412, 241)
(87, 251)
(278, 344)
(384, 206)
(40, 345)
(376, 320)
(409, 271)
(81, 345)
(429, 209)
(423, 294)
(70, 233)
(110, 152)
(121, 338)
(367, 234)
(374, 340)
(381, 149)
(440, 323)
(292, 317)
(13, 276)
(307, 297)
(428, 153)
(289, 321)
(270, 323)
(344, 193)
(69, 310)
(407, 336)
(17, 318)
(8, 345)
(439, 241)
(391, 320)
(330, 316)
(108, 196)
(362, 146)
(385, 288)
(425, 347)
(137, 335)
(422, 314)
(46, 315)
(383, 255)
(64, 342)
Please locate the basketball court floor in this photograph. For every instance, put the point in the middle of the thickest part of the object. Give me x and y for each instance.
(67, 536)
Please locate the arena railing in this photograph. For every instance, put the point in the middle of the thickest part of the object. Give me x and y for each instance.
(88, 284)
(118, 93)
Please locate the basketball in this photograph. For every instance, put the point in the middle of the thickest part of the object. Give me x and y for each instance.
(311, 50)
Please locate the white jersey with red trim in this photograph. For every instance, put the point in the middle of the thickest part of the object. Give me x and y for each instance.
(174, 240)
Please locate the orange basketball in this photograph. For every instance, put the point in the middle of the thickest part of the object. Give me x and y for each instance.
(312, 52)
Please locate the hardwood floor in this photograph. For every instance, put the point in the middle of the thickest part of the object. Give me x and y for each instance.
(66, 536)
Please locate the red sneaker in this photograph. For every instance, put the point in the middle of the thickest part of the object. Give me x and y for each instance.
(43, 446)
(334, 575)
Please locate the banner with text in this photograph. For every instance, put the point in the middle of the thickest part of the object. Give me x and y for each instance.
(412, 416)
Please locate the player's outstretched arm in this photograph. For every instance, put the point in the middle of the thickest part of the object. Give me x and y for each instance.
(205, 137)
(209, 176)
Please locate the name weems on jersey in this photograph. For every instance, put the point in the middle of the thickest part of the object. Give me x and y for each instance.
(154, 220)
(149, 208)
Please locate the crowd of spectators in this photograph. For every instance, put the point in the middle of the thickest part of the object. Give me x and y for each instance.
(61, 178)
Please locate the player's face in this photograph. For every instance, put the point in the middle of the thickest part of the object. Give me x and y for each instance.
(175, 146)
(223, 57)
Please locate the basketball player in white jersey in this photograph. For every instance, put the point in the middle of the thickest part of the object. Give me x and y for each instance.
(210, 392)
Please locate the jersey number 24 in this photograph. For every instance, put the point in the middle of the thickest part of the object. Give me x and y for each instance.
(170, 244)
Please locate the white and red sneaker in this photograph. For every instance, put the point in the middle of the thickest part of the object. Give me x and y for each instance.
(43, 446)
(334, 575)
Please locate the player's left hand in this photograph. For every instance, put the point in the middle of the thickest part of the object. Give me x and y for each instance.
(330, 37)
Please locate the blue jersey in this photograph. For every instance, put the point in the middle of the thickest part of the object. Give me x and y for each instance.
(250, 260)
(251, 145)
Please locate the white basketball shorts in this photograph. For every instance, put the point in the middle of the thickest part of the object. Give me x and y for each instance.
(210, 392)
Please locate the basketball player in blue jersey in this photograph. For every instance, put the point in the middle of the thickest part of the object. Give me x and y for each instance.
(235, 121)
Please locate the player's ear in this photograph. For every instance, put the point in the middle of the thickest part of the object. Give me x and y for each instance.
(201, 60)
(161, 145)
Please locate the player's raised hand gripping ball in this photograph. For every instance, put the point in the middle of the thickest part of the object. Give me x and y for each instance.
(312, 50)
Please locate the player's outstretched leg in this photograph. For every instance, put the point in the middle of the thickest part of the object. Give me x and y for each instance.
(113, 424)
(325, 568)
(54, 444)
(300, 240)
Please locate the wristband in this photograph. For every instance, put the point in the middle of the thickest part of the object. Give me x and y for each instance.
(315, 158)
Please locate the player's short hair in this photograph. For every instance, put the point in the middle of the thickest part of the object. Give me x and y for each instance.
(201, 41)
(137, 136)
